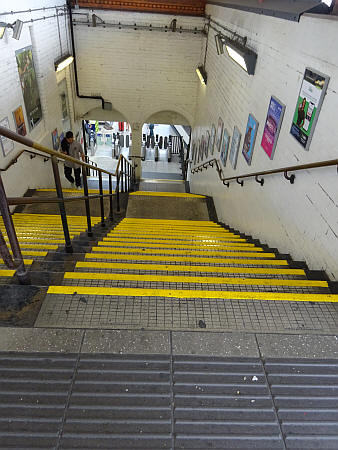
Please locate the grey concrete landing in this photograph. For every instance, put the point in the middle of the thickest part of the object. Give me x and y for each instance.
(167, 208)
(143, 392)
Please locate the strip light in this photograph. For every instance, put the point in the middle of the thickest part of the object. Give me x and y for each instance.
(243, 56)
(63, 63)
(202, 75)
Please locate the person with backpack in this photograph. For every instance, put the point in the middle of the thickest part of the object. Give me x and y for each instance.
(74, 149)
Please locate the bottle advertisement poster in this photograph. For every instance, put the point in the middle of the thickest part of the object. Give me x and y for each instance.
(310, 99)
(272, 126)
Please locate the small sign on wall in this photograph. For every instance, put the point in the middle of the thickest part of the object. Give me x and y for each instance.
(236, 139)
(250, 138)
(310, 100)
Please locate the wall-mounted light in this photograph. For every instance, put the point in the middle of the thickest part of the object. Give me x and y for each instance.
(243, 56)
(202, 75)
(16, 27)
(219, 44)
(64, 62)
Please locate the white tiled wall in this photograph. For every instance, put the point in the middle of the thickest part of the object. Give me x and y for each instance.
(301, 219)
(43, 36)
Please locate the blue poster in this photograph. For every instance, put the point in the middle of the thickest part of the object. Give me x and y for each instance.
(249, 138)
(272, 126)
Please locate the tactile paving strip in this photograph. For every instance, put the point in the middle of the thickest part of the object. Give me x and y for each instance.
(75, 311)
(139, 402)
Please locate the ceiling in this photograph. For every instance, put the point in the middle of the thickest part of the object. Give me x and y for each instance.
(286, 9)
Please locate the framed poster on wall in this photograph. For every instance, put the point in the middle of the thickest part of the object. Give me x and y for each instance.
(207, 144)
(19, 121)
(225, 147)
(236, 140)
(250, 138)
(212, 140)
(310, 100)
(202, 147)
(55, 139)
(219, 134)
(6, 144)
(272, 126)
(198, 150)
(29, 85)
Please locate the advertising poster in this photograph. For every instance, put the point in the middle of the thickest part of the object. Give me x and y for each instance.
(219, 134)
(6, 144)
(19, 121)
(272, 126)
(29, 85)
(207, 142)
(310, 99)
(249, 138)
(198, 150)
(225, 147)
(236, 140)
(55, 139)
(212, 140)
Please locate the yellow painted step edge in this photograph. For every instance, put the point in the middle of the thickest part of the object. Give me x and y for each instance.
(177, 221)
(184, 252)
(6, 273)
(182, 293)
(192, 279)
(172, 240)
(183, 268)
(28, 262)
(239, 261)
(166, 194)
(244, 246)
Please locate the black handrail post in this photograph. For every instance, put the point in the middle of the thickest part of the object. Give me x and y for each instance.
(121, 175)
(85, 191)
(101, 200)
(21, 270)
(118, 192)
(63, 214)
(126, 175)
(111, 216)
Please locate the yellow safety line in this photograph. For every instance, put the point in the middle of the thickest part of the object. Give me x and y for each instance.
(170, 221)
(172, 243)
(169, 229)
(33, 253)
(166, 194)
(37, 240)
(152, 251)
(74, 191)
(239, 261)
(169, 240)
(53, 215)
(206, 247)
(182, 268)
(191, 279)
(41, 246)
(182, 293)
(28, 262)
(172, 234)
(6, 273)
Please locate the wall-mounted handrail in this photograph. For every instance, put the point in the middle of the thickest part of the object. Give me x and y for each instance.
(126, 173)
(284, 170)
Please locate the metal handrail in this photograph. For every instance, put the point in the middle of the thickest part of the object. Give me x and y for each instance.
(126, 175)
(32, 144)
(284, 170)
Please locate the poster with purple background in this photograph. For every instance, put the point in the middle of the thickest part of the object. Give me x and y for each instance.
(272, 126)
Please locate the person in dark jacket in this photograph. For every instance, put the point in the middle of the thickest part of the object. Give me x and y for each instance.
(74, 149)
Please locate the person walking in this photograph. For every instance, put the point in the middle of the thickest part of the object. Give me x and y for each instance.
(74, 149)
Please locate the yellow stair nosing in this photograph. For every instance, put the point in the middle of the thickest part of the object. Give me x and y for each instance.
(28, 262)
(165, 194)
(173, 243)
(185, 293)
(184, 252)
(6, 272)
(238, 261)
(183, 268)
(245, 247)
(192, 279)
(173, 240)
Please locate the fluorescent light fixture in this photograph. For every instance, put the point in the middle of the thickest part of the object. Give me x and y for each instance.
(243, 56)
(327, 2)
(219, 44)
(2, 29)
(63, 63)
(202, 75)
(17, 28)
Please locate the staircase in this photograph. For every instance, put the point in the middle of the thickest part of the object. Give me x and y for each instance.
(184, 274)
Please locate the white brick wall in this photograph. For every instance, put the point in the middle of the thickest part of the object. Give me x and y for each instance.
(43, 36)
(139, 72)
(301, 219)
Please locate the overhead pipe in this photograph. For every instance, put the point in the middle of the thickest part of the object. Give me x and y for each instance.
(99, 97)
